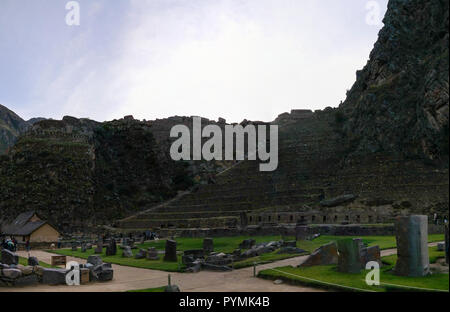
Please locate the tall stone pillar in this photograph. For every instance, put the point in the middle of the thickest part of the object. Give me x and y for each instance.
(412, 246)
(446, 243)
(349, 258)
(171, 251)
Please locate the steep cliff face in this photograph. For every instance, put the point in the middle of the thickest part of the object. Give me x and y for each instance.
(399, 102)
(11, 126)
(78, 172)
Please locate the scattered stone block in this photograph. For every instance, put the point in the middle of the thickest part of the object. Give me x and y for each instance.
(324, 255)
(142, 254)
(301, 232)
(172, 288)
(152, 254)
(9, 257)
(446, 243)
(84, 276)
(247, 244)
(98, 249)
(412, 246)
(289, 244)
(11, 273)
(216, 268)
(291, 250)
(370, 254)
(111, 249)
(126, 252)
(95, 260)
(102, 273)
(208, 245)
(349, 255)
(28, 280)
(33, 261)
(171, 251)
(54, 276)
(26, 270)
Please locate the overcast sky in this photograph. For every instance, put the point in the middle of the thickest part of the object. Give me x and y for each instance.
(235, 59)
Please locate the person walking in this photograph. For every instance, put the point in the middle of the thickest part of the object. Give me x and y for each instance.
(27, 245)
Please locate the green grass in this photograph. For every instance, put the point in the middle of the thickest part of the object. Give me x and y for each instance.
(226, 245)
(24, 261)
(323, 276)
(221, 244)
(385, 242)
(157, 289)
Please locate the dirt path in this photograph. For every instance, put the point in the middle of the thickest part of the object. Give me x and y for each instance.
(129, 278)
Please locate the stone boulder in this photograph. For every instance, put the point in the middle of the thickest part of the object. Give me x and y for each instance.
(370, 254)
(9, 257)
(349, 255)
(54, 276)
(102, 273)
(95, 260)
(247, 244)
(412, 246)
(111, 249)
(336, 201)
(171, 251)
(291, 250)
(152, 254)
(10, 273)
(28, 280)
(208, 245)
(142, 254)
(324, 255)
(33, 261)
(446, 243)
(126, 252)
(172, 288)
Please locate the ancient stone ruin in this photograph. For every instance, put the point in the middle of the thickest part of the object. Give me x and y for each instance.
(13, 274)
(412, 246)
(349, 255)
(324, 255)
(171, 251)
(111, 248)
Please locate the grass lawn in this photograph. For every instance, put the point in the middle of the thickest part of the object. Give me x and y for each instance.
(24, 261)
(323, 276)
(227, 245)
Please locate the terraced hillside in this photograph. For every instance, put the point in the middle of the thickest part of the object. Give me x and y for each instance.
(312, 168)
(382, 153)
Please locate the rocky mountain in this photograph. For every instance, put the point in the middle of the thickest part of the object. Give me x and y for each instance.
(399, 102)
(79, 172)
(11, 126)
(383, 153)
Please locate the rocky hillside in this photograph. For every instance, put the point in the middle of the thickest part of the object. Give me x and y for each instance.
(385, 148)
(399, 102)
(78, 172)
(11, 126)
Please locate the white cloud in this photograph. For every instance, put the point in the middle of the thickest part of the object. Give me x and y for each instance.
(226, 58)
